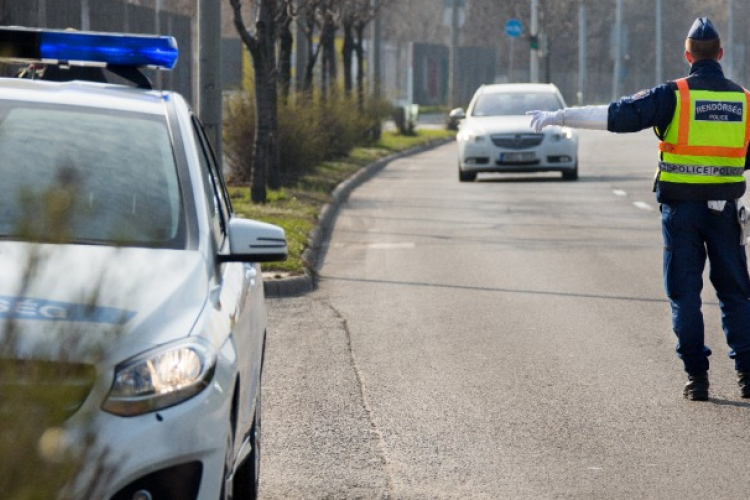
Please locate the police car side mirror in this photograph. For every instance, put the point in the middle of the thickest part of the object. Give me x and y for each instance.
(254, 241)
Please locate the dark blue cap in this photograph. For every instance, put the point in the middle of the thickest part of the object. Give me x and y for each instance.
(703, 29)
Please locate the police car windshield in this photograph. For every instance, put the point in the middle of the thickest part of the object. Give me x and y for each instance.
(87, 175)
(512, 104)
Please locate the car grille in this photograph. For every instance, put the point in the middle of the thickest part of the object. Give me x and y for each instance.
(55, 390)
(517, 141)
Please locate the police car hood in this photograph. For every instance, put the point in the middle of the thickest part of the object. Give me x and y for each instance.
(503, 125)
(90, 297)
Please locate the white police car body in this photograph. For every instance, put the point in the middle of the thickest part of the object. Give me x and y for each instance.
(495, 135)
(119, 252)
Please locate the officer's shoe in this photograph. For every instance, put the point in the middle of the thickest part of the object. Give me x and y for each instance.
(696, 388)
(743, 379)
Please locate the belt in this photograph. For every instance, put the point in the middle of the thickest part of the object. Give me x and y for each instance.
(708, 170)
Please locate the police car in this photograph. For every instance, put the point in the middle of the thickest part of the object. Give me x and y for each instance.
(121, 258)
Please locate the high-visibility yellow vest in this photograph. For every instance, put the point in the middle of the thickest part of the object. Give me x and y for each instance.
(707, 140)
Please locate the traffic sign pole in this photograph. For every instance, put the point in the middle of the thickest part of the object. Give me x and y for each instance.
(514, 29)
(534, 59)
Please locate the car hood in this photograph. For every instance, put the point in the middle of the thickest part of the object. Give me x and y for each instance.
(500, 124)
(96, 298)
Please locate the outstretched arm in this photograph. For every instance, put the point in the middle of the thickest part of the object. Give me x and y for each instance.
(590, 117)
(648, 108)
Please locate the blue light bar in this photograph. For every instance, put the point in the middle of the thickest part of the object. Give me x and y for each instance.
(87, 47)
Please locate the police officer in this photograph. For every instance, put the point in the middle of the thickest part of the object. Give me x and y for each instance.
(703, 122)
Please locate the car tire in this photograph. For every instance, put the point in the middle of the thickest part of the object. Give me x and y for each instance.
(227, 487)
(570, 175)
(466, 176)
(247, 476)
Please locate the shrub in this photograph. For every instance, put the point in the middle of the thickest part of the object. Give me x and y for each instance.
(311, 130)
(301, 144)
(239, 136)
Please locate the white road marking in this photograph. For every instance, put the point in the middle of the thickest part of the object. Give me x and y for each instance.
(391, 246)
(643, 205)
(619, 192)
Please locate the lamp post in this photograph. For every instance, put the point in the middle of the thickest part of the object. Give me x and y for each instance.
(453, 63)
(85, 16)
(582, 55)
(659, 49)
(617, 72)
(730, 41)
(534, 29)
(209, 71)
(376, 54)
(42, 13)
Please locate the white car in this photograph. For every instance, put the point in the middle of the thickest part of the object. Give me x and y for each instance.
(495, 135)
(124, 268)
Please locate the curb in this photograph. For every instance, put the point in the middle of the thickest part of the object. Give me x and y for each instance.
(319, 236)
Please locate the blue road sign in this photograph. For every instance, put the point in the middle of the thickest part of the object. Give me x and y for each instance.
(514, 28)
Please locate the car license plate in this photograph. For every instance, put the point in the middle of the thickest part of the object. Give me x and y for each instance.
(517, 157)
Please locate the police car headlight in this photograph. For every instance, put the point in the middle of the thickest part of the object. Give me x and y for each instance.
(160, 378)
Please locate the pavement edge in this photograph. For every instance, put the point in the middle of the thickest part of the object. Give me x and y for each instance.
(318, 239)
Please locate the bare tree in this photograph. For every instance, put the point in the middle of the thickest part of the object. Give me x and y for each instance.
(330, 17)
(356, 16)
(286, 45)
(262, 45)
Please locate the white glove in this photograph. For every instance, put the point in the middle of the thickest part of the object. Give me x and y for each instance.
(590, 117)
(540, 119)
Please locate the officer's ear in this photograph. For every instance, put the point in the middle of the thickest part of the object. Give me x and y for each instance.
(689, 57)
(721, 54)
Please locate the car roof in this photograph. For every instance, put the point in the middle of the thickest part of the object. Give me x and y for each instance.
(519, 88)
(84, 93)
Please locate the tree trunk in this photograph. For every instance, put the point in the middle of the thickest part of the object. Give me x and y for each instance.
(262, 49)
(312, 54)
(347, 53)
(274, 160)
(265, 157)
(286, 44)
(360, 53)
(328, 41)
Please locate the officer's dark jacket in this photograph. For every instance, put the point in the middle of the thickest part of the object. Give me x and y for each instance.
(655, 108)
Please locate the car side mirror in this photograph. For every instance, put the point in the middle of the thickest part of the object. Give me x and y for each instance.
(254, 241)
(454, 118)
(457, 114)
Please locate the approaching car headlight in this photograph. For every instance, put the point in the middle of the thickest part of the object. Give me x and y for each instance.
(473, 137)
(564, 134)
(160, 378)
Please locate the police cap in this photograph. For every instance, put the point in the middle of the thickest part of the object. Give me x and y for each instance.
(703, 29)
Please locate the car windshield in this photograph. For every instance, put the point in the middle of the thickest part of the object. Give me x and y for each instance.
(85, 175)
(509, 104)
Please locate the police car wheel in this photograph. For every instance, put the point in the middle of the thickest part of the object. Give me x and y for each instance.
(247, 477)
(227, 487)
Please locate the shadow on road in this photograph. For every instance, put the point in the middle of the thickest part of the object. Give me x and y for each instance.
(501, 290)
(505, 179)
(726, 402)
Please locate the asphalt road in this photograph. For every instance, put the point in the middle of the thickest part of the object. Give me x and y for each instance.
(503, 339)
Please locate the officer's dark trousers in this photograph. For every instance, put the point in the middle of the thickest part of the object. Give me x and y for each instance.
(691, 232)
